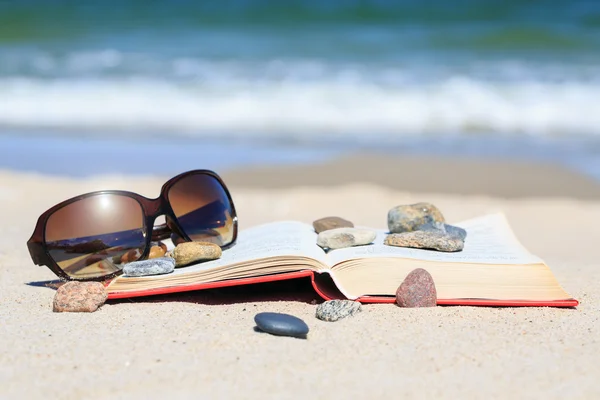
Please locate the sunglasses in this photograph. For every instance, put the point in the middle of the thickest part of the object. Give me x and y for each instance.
(86, 237)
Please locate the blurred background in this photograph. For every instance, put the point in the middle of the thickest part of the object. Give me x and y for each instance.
(147, 86)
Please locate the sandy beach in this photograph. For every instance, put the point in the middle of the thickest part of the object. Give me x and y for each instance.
(202, 344)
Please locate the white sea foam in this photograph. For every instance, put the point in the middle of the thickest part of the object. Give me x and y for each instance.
(347, 106)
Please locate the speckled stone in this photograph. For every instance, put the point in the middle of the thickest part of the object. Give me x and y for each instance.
(281, 324)
(446, 228)
(334, 310)
(406, 218)
(345, 237)
(152, 266)
(191, 252)
(327, 223)
(417, 290)
(435, 240)
(79, 297)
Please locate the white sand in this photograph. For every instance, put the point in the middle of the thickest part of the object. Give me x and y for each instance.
(186, 346)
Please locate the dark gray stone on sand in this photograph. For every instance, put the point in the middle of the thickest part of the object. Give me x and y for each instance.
(442, 227)
(153, 266)
(436, 240)
(334, 310)
(281, 324)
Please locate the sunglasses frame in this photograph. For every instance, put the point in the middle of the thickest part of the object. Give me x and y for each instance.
(151, 208)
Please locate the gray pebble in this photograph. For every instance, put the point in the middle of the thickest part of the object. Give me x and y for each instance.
(406, 218)
(153, 266)
(281, 324)
(345, 237)
(435, 240)
(334, 310)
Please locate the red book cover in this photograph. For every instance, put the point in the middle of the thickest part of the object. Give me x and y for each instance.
(325, 288)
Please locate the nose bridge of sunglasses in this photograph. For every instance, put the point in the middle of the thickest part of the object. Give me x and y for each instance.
(160, 232)
(165, 229)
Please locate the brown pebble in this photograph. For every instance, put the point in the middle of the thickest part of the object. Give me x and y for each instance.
(156, 252)
(327, 223)
(190, 252)
(161, 245)
(417, 290)
(130, 256)
(79, 297)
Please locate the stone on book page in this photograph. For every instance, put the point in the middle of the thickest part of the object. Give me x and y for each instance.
(435, 240)
(345, 237)
(334, 310)
(327, 223)
(79, 297)
(156, 252)
(442, 227)
(191, 252)
(152, 266)
(281, 324)
(417, 290)
(406, 218)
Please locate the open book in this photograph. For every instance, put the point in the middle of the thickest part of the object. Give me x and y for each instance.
(492, 269)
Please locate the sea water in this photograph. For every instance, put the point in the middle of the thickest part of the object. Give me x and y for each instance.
(151, 86)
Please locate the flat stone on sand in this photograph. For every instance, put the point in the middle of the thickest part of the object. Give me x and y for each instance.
(435, 240)
(281, 324)
(417, 290)
(334, 310)
(345, 237)
(191, 252)
(406, 218)
(152, 266)
(327, 223)
(79, 297)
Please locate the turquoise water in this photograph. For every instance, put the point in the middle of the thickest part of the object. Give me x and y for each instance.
(399, 74)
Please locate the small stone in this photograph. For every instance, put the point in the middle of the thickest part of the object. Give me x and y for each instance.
(281, 324)
(345, 237)
(327, 223)
(417, 290)
(406, 218)
(442, 227)
(435, 240)
(156, 252)
(152, 266)
(334, 310)
(79, 297)
(190, 252)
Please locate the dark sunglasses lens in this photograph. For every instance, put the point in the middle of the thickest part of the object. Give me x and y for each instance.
(88, 238)
(203, 209)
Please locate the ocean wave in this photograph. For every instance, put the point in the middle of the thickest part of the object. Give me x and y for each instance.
(302, 109)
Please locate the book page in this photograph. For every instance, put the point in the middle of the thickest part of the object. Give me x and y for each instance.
(276, 239)
(489, 241)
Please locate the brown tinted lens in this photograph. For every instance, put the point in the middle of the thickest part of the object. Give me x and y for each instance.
(202, 208)
(88, 238)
